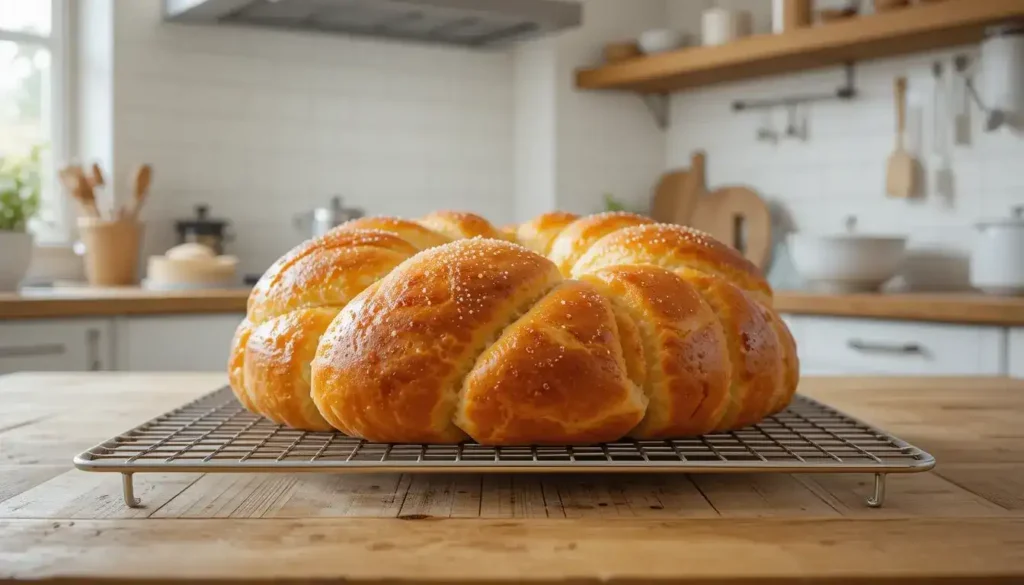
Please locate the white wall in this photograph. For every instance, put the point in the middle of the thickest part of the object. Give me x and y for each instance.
(840, 169)
(607, 141)
(572, 146)
(94, 70)
(536, 160)
(261, 125)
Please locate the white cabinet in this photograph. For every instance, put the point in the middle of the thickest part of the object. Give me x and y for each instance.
(56, 345)
(1015, 352)
(843, 346)
(173, 343)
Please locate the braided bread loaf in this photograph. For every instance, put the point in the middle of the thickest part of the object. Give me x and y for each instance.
(440, 330)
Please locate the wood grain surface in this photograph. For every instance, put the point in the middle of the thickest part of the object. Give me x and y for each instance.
(948, 308)
(114, 301)
(962, 523)
(936, 307)
(924, 26)
(100, 302)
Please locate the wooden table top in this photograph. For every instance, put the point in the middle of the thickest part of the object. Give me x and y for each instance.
(97, 302)
(962, 522)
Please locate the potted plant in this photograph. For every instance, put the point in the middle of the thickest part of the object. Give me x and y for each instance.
(20, 191)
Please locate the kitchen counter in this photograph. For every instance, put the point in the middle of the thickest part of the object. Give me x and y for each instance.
(962, 522)
(937, 307)
(90, 302)
(42, 303)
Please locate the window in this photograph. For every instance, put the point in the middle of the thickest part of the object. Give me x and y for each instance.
(33, 96)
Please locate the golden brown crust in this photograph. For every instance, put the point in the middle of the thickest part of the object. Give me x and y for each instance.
(674, 247)
(539, 233)
(277, 358)
(326, 271)
(556, 375)
(413, 233)
(508, 233)
(790, 364)
(632, 344)
(581, 234)
(414, 338)
(459, 224)
(753, 347)
(236, 364)
(687, 361)
(391, 366)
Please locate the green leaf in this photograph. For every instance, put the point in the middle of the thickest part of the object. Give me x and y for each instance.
(20, 189)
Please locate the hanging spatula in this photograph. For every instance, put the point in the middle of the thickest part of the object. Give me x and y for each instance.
(899, 174)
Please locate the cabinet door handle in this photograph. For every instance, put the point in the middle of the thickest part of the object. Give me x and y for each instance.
(92, 345)
(878, 347)
(32, 350)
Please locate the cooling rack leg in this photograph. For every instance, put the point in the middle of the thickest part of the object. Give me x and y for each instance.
(129, 491)
(878, 498)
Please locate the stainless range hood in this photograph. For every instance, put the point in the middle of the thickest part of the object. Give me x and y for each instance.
(469, 23)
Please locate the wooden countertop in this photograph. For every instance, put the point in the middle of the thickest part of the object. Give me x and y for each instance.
(961, 523)
(939, 307)
(107, 302)
(88, 302)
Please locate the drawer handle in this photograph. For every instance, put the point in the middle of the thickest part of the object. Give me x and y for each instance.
(875, 347)
(33, 350)
(92, 341)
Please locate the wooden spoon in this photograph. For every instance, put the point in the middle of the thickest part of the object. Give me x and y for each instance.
(96, 180)
(899, 174)
(140, 188)
(76, 184)
(69, 179)
(87, 193)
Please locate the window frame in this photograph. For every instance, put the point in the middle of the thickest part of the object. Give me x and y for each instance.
(61, 100)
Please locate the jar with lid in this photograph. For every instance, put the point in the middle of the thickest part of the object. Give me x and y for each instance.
(202, 229)
(321, 220)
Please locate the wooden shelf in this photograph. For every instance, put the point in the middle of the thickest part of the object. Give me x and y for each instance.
(915, 29)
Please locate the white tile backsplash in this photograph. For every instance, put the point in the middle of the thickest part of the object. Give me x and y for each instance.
(840, 169)
(263, 124)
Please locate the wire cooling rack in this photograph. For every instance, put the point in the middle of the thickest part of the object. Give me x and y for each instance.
(216, 434)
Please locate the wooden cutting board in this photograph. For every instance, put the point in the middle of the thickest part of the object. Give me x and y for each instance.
(675, 196)
(738, 217)
(693, 190)
(667, 195)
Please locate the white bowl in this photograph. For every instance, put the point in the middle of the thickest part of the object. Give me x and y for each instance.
(846, 263)
(660, 40)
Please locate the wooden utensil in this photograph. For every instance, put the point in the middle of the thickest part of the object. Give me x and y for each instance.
(96, 177)
(140, 188)
(899, 175)
(88, 195)
(738, 217)
(97, 182)
(73, 179)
